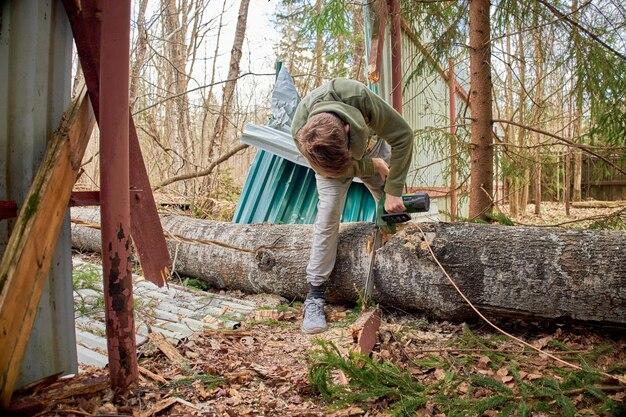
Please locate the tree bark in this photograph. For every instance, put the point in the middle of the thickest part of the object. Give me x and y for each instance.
(140, 51)
(551, 273)
(454, 159)
(176, 79)
(537, 108)
(358, 42)
(521, 185)
(221, 125)
(578, 103)
(319, 40)
(481, 166)
(509, 131)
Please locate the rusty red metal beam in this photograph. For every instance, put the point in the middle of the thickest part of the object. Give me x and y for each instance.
(114, 193)
(396, 54)
(8, 209)
(85, 198)
(146, 227)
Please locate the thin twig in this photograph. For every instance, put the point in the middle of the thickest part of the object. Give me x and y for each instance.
(564, 140)
(204, 172)
(198, 88)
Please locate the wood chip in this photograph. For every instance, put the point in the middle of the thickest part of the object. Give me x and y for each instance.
(158, 407)
(166, 347)
(164, 404)
(152, 375)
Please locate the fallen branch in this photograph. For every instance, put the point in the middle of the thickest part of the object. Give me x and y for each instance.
(583, 219)
(204, 172)
(599, 204)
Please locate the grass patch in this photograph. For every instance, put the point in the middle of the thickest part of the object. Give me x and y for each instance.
(87, 276)
(196, 284)
(349, 319)
(208, 380)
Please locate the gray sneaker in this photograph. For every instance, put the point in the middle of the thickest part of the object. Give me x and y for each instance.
(314, 320)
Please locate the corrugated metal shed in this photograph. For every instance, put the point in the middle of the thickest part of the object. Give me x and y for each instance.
(35, 63)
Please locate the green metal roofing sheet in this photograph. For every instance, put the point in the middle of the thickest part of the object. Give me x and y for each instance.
(280, 191)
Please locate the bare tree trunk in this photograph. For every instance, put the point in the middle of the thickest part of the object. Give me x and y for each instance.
(521, 185)
(537, 108)
(515, 271)
(176, 80)
(210, 99)
(222, 123)
(509, 131)
(578, 91)
(140, 51)
(359, 44)
(567, 181)
(454, 166)
(481, 167)
(319, 40)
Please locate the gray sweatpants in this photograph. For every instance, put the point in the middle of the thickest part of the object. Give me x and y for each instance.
(332, 197)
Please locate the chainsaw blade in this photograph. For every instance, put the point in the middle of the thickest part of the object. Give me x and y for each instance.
(369, 281)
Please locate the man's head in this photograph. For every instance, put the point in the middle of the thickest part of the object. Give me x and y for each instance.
(324, 143)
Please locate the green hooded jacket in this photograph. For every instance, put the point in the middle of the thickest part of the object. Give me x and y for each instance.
(367, 114)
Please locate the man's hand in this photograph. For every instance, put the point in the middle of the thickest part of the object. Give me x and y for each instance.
(394, 204)
(381, 167)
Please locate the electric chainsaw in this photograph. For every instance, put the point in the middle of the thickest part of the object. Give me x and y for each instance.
(413, 203)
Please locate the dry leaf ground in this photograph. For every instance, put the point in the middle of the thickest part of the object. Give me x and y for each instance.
(262, 368)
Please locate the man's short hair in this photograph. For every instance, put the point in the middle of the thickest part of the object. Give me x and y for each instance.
(324, 143)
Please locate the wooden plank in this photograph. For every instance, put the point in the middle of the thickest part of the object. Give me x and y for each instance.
(27, 258)
(43, 396)
(146, 229)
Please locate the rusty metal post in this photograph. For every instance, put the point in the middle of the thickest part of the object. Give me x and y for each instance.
(396, 54)
(115, 192)
(453, 148)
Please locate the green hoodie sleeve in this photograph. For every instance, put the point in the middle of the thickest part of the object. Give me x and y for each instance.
(389, 125)
(362, 168)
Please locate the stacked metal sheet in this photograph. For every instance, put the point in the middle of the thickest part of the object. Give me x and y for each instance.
(176, 312)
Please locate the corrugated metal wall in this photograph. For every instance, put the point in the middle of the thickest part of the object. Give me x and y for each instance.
(426, 108)
(35, 63)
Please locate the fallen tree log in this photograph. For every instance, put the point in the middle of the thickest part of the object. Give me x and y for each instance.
(507, 271)
(599, 204)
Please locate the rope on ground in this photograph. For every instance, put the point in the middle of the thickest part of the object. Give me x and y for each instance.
(618, 378)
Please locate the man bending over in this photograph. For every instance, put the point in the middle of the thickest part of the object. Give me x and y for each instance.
(344, 130)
